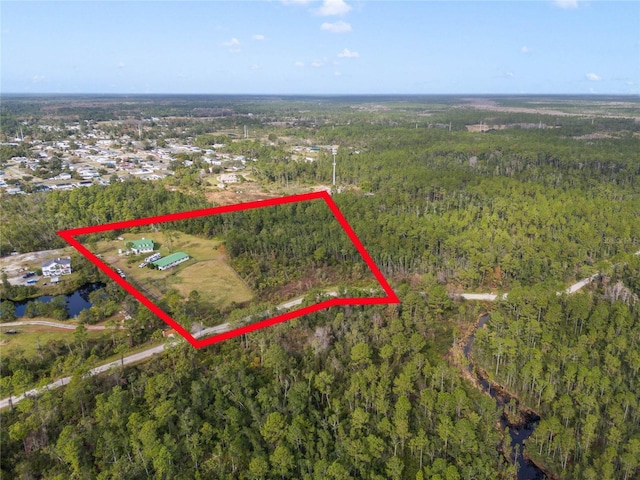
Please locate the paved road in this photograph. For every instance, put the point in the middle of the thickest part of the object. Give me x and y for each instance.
(298, 301)
(578, 285)
(129, 359)
(66, 326)
(490, 297)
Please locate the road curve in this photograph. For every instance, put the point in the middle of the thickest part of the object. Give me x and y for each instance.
(491, 297)
(129, 359)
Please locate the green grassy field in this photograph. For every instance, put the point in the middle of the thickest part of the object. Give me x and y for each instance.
(207, 271)
(30, 336)
(223, 286)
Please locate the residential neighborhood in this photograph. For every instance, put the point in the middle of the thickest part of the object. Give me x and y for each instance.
(78, 154)
(91, 154)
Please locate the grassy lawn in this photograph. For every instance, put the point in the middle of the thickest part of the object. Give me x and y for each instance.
(207, 271)
(223, 286)
(30, 335)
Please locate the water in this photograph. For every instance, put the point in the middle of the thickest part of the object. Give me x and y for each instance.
(76, 302)
(518, 433)
(526, 469)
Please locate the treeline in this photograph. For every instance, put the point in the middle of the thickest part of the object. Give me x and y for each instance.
(273, 246)
(335, 396)
(576, 361)
(480, 210)
(30, 222)
(364, 392)
(22, 370)
(56, 308)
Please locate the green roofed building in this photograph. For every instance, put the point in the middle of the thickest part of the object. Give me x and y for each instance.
(144, 245)
(171, 260)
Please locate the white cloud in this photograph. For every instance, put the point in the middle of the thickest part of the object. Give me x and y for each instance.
(299, 64)
(333, 7)
(37, 78)
(593, 77)
(337, 27)
(337, 74)
(234, 42)
(567, 4)
(346, 53)
(317, 64)
(525, 49)
(255, 67)
(121, 65)
(296, 2)
(259, 37)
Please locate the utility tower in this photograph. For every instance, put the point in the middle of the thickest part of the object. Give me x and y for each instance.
(334, 151)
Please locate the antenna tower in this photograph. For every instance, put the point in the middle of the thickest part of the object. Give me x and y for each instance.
(334, 151)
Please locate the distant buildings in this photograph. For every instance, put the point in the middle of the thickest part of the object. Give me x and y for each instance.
(228, 178)
(56, 267)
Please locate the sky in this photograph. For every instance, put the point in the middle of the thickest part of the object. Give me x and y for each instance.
(297, 47)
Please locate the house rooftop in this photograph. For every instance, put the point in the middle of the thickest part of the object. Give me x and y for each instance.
(61, 261)
(138, 244)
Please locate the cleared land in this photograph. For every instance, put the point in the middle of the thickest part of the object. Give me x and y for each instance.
(15, 266)
(207, 271)
(236, 192)
(30, 336)
(220, 288)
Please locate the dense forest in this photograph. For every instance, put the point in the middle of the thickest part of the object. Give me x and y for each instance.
(334, 396)
(576, 361)
(359, 392)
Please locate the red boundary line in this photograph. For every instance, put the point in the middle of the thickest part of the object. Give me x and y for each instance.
(391, 297)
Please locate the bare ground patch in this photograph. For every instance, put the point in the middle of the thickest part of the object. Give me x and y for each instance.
(16, 265)
(238, 193)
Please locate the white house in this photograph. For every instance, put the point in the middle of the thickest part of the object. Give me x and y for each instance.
(56, 267)
(228, 178)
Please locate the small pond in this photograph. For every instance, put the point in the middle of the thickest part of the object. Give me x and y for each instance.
(76, 301)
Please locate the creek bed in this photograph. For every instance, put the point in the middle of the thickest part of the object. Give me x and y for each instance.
(527, 470)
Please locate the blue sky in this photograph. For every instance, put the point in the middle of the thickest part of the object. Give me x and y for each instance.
(321, 47)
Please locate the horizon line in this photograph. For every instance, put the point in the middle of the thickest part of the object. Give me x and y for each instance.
(531, 94)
